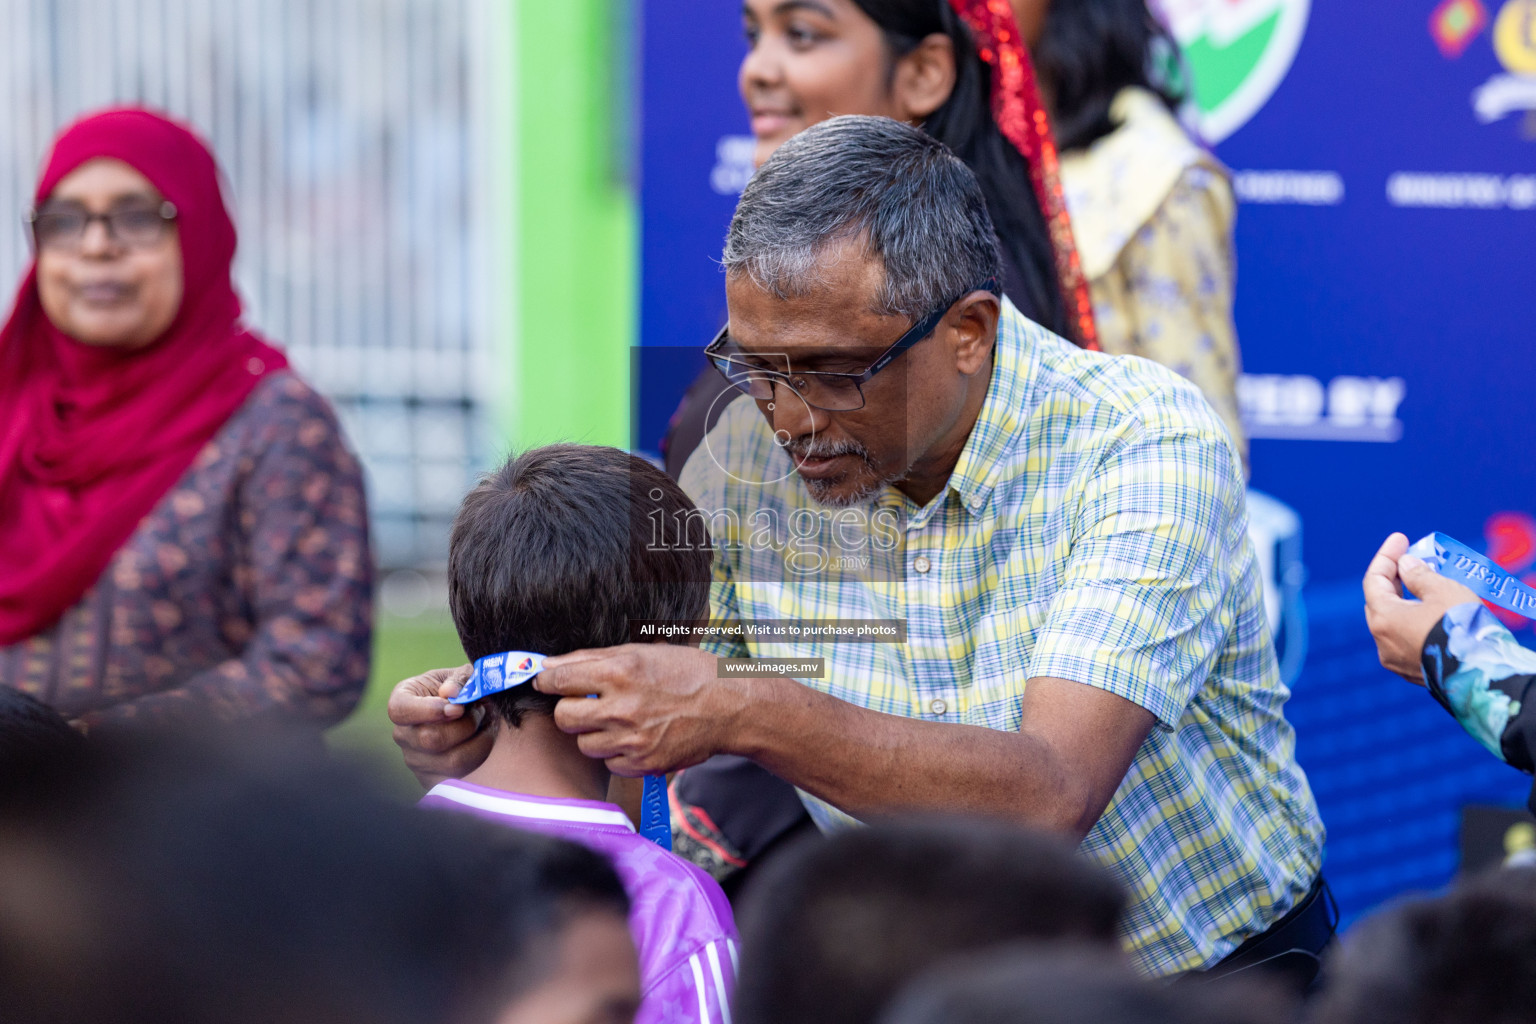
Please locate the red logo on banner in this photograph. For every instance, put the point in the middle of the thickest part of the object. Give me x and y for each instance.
(1455, 23)
(1511, 539)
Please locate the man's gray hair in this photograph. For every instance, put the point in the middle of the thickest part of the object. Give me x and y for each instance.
(917, 206)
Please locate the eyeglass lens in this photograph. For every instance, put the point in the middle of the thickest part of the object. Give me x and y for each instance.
(133, 226)
(832, 392)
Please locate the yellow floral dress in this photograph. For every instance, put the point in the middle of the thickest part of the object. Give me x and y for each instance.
(1152, 214)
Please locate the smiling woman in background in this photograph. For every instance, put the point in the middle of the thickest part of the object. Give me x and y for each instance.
(182, 528)
(919, 61)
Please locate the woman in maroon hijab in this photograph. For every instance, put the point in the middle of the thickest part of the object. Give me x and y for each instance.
(182, 528)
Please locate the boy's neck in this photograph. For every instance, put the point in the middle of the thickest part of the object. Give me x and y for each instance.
(537, 759)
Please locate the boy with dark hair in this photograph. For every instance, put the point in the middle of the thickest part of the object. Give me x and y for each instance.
(560, 950)
(1036, 983)
(239, 878)
(834, 929)
(30, 729)
(557, 551)
(1468, 957)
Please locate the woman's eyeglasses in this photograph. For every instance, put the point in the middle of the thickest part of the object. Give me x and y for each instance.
(63, 228)
(820, 389)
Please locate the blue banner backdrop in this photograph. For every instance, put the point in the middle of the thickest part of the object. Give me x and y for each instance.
(1385, 161)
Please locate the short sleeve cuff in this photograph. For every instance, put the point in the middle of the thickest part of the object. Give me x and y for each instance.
(1110, 674)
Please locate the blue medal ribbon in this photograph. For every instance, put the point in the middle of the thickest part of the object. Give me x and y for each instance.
(495, 673)
(655, 815)
(1455, 561)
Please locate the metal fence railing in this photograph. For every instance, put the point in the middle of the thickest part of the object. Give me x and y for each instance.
(352, 133)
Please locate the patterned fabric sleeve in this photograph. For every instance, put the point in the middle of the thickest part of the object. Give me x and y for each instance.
(1143, 609)
(1484, 678)
(1176, 279)
(306, 573)
(696, 989)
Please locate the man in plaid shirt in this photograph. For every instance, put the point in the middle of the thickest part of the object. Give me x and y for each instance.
(1062, 533)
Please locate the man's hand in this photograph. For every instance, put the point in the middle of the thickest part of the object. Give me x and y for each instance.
(1401, 626)
(438, 739)
(658, 707)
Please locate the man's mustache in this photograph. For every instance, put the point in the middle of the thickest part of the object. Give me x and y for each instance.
(801, 449)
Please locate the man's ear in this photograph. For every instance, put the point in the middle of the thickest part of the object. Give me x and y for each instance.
(924, 78)
(973, 326)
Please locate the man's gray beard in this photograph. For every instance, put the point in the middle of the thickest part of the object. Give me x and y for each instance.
(821, 490)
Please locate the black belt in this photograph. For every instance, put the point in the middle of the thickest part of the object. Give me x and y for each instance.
(1292, 948)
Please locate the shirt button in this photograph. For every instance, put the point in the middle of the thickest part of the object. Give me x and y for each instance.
(937, 706)
(921, 563)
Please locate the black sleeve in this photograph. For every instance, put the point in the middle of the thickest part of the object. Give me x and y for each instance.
(1518, 742)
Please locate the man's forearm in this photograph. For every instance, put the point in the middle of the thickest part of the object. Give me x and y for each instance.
(867, 764)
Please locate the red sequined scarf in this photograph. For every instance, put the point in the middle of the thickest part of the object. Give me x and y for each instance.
(1022, 118)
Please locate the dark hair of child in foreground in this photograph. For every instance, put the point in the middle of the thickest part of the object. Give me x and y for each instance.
(241, 880)
(834, 929)
(1050, 983)
(1467, 957)
(30, 729)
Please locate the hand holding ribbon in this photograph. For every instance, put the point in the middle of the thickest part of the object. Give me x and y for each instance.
(1453, 560)
(507, 670)
(1399, 623)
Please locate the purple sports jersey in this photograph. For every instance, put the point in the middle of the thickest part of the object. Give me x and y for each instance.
(680, 919)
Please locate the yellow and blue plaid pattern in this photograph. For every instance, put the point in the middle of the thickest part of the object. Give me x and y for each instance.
(1095, 530)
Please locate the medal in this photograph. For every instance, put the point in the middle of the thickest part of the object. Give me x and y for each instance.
(496, 673)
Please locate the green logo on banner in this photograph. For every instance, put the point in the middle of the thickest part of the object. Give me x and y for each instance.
(1238, 53)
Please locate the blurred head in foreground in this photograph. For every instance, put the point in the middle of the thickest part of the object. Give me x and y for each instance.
(1039, 984)
(30, 731)
(560, 951)
(835, 928)
(158, 880)
(1468, 957)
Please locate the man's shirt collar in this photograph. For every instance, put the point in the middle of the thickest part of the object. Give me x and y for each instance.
(983, 462)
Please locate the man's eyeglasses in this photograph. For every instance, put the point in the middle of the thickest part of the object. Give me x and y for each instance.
(751, 374)
(63, 228)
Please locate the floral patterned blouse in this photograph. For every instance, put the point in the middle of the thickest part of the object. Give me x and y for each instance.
(1480, 674)
(248, 590)
(1152, 216)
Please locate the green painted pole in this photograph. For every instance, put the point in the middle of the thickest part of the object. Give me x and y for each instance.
(575, 310)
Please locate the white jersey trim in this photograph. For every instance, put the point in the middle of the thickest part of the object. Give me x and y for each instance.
(698, 986)
(511, 805)
(720, 994)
